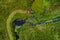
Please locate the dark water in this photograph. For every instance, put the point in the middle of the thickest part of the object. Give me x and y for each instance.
(56, 19)
(18, 22)
(16, 35)
(21, 22)
(53, 20)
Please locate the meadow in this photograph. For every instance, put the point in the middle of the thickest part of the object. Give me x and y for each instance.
(44, 10)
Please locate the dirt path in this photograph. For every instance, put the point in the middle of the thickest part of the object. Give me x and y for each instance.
(8, 22)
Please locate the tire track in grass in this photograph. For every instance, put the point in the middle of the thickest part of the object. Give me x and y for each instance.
(9, 20)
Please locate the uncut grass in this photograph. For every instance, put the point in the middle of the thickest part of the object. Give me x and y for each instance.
(6, 8)
(47, 31)
(46, 10)
(39, 32)
(23, 5)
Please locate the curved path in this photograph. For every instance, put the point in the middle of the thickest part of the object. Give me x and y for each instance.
(21, 11)
(9, 20)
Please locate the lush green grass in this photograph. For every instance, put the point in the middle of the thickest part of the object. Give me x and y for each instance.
(49, 31)
(6, 8)
(44, 10)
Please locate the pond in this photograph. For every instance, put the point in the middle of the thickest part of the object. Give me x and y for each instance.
(17, 36)
(18, 22)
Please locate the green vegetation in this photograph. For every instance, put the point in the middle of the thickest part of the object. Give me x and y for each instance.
(44, 10)
(6, 8)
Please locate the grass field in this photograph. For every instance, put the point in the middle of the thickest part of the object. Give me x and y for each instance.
(44, 10)
(6, 8)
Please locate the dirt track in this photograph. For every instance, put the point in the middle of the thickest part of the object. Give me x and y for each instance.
(9, 20)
